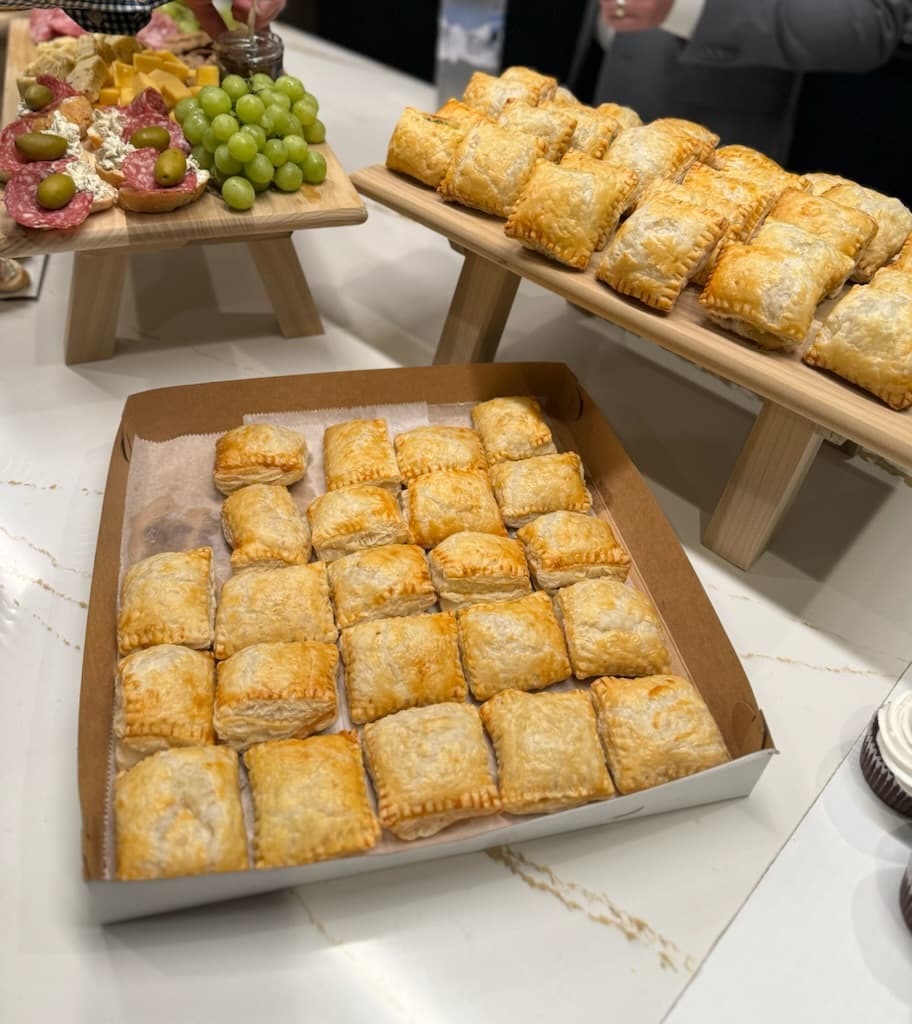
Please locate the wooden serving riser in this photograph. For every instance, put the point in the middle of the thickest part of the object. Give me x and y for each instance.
(105, 240)
(801, 405)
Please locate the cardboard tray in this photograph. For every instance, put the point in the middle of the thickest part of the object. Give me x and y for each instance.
(704, 648)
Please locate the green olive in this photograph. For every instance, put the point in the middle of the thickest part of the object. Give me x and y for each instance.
(37, 96)
(153, 136)
(170, 167)
(56, 191)
(41, 146)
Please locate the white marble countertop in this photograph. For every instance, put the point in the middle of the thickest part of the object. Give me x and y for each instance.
(821, 623)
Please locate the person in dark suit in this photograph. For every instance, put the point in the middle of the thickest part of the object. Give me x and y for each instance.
(736, 65)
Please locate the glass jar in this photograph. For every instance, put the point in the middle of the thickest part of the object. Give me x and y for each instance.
(240, 53)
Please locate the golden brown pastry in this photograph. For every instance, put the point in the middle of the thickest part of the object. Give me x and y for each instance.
(611, 629)
(893, 279)
(653, 154)
(542, 86)
(554, 125)
(565, 547)
(753, 165)
(707, 140)
(820, 257)
(627, 117)
(178, 812)
(168, 598)
(620, 180)
(276, 691)
(404, 662)
(264, 528)
(894, 222)
(442, 503)
(359, 452)
(867, 339)
(655, 729)
(461, 113)
(430, 769)
(567, 214)
(490, 167)
(274, 606)
(549, 756)
(564, 98)
(512, 645)
(753, 198)
(162, 698)
(593, 132)
(469, 567)
(258, 453)
(429, 449)
(310, 800)
(422, 145)
(512, 428)
(353, 518)
(819, 183)
(659, 248)
(528, 488)
(489, 94)
(850, 230)
(380, 582)
(903, 259)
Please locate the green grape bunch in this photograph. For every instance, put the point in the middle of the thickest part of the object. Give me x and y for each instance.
(255, 134)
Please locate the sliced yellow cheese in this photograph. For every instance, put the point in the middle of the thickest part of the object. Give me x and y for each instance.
(142, 81)
(147, 61)
(195, 90)
(123, 74)
(170, 86)
(177, 68)
(109, 97)
(207, 74)
(109, 75)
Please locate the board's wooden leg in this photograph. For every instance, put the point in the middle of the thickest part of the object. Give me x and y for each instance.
(277, 261)
(478, 312)
(771, 467)
(95, 293)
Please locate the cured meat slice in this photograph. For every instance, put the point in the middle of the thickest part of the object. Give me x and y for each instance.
(133, 123)
(139, 173)
(21, 200)
(148, 103)
(11, 160)
(59, 90)
(46, 24)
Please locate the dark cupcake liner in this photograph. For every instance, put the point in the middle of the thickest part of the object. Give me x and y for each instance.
(905, 896)
(879, 777)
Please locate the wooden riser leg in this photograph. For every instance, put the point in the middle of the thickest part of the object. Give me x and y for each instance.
(771, 467)
(478, 312)
(280, 269)
(95, 293)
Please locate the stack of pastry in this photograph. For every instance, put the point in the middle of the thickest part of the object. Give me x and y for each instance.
(670, 208)
(463, 588)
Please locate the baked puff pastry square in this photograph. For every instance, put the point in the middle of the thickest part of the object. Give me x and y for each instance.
(543, 86)
(611, 629)
(753, 199)
(563, 548)
(429, 449)
(707, 140)
(179, 812)
(626, 117)
(457, 112)
(822, 259)
(531, 487)
(404, 662)
(653, 154)
(264, 528)
(422, 145)
(512, 428)
(162, 698)
(867, 339)
(819, 183)
(443, 503)
(894, 279)
(552, 124)
(490, 94)
(379, 583)
(168, 598)
(566, 214)
(848, 229)
(903, 259)
(620, 181)
(359, 452)
(549, 756)
(594, 131)
(765, 294)
(353, 518)
(469, 567)
(274, 606)
(276, 691)
(258, 453)
(655, 729)
(490, 168)
(430, 769)
(755, 166)
(659, 248)
(512, 645)
(310, 800)
(894, 223)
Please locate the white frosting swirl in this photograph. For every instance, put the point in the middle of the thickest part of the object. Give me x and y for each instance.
(894, 739)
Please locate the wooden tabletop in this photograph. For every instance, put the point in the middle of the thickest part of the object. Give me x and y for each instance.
(334, 202)
(779, 377)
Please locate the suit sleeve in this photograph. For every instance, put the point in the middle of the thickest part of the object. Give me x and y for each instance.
(798, 35)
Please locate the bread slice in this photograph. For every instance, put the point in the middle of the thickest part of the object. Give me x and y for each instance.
(159, 200)
(88, 77)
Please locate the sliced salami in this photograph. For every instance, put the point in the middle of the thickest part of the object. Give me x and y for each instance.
(11, 160)
(59, 90)
(139, 173)
(148, 103)
(133, 122)
(21, 200)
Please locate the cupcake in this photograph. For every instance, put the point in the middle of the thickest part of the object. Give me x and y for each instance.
(886, 754)
(905, 895)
